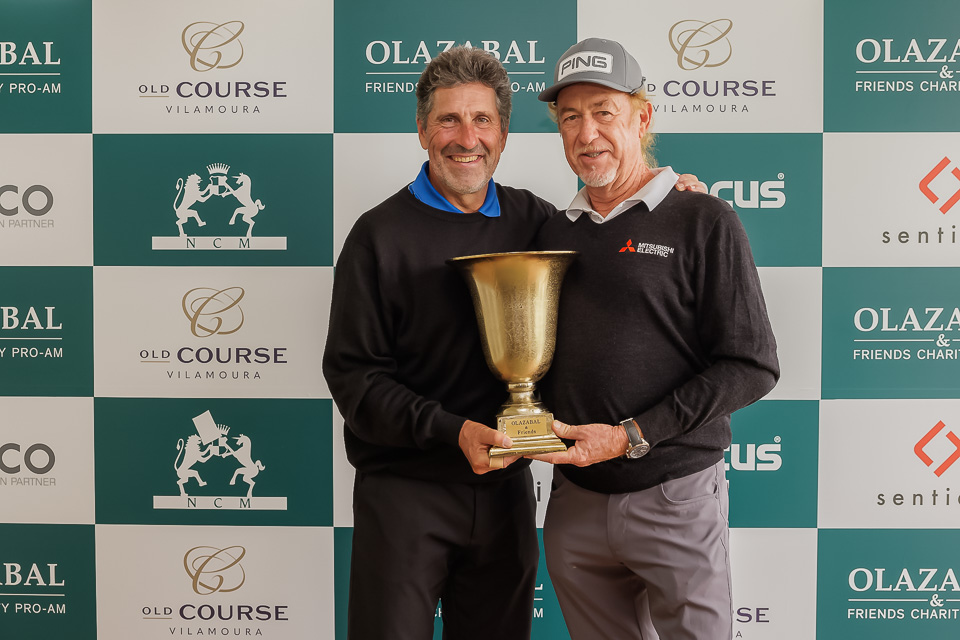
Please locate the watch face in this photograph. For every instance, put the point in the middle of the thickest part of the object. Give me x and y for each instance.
(638, 450)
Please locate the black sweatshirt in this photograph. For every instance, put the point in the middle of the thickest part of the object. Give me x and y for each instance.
(403, 358)
(674, 334)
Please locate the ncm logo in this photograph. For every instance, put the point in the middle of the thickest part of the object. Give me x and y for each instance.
(930, 177)
(925, 440)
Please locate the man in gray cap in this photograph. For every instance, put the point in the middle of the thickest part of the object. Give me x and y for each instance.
(663, 333)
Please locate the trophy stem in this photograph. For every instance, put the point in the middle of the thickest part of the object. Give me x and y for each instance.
(523, 399)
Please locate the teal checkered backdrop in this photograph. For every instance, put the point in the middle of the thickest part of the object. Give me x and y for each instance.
(176, 181)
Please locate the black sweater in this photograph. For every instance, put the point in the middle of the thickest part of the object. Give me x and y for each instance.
(674, 334)
(403, 358)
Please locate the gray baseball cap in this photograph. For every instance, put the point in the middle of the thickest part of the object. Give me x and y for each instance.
(599, 61)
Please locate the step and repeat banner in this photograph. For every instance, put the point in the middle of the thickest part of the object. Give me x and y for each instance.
(177, 178)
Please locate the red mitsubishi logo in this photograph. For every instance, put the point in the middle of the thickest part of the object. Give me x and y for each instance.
(925, 440)
(930, 177)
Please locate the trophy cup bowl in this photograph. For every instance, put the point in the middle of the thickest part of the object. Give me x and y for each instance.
(515, 296)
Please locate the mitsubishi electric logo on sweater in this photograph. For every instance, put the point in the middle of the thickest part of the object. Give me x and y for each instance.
(646, 247)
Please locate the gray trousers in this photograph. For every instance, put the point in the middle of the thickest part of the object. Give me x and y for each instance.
(645, 565)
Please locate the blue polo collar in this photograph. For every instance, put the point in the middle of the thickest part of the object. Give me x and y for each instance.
(424, 191)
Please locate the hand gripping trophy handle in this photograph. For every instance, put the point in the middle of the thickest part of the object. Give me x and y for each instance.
(515, 296)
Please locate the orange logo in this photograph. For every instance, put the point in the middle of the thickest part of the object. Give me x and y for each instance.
(931, 196)
(628, 247)
(925, 440)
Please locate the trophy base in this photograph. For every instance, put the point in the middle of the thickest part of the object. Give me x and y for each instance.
(530, 433)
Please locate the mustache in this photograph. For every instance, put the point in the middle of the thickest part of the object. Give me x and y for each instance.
(589, 149)
(479, 149)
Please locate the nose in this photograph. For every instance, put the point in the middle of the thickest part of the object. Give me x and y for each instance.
(467, 135)
(588, 130)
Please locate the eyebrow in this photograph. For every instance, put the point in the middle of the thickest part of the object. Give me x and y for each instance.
(474, 114)
(603, 102)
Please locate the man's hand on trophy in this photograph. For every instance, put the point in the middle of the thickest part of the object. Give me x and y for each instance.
(690, 182)
(475, 442)
(594, 443)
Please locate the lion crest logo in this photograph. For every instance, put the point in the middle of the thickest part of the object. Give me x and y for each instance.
(212, 440)
(191, 192)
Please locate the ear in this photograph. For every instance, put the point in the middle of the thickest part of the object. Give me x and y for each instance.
(422, 133)
(646, 115)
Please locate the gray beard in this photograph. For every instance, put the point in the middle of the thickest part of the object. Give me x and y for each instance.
(600, 180)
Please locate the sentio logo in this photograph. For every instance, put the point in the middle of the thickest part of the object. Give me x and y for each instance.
(925, 189)
(918, 449)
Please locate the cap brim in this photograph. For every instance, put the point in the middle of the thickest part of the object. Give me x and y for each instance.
(550, 94)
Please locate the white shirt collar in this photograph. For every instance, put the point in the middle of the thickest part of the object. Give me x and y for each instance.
(651, 193)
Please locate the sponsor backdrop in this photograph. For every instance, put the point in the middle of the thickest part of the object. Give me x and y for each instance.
(176, 181)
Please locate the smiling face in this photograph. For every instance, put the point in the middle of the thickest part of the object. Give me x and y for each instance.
(463, 138)
(601, 133)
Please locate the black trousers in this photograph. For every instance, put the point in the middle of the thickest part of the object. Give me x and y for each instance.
(472, 547)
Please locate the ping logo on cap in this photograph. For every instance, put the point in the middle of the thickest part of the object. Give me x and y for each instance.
(583, 61)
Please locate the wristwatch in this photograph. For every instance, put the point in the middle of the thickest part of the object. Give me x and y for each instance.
(638, 446)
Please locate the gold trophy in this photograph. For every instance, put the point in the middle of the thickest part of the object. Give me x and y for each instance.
(516, 296)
